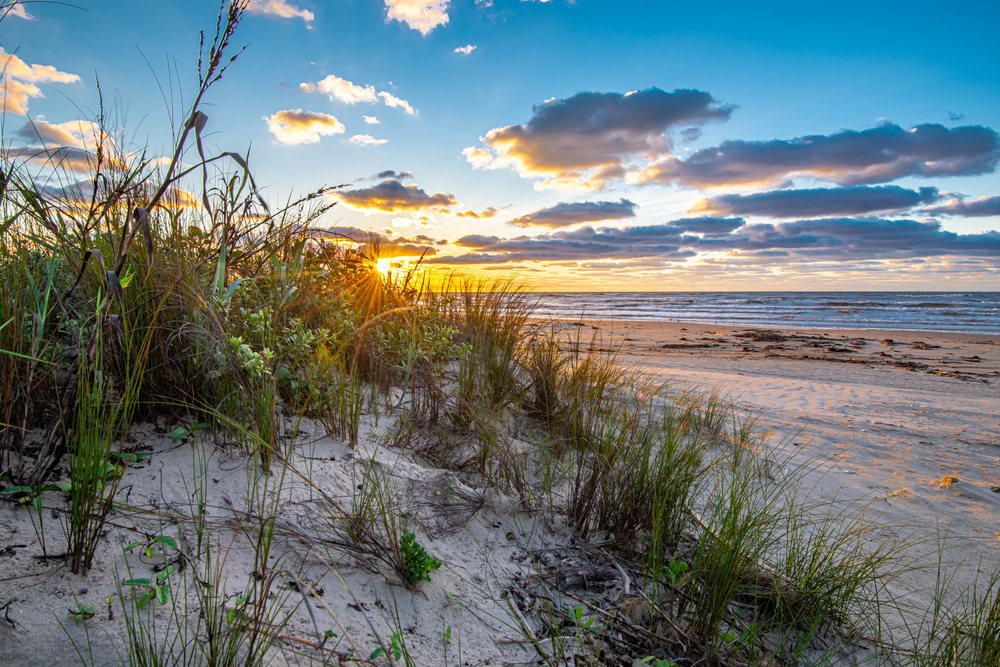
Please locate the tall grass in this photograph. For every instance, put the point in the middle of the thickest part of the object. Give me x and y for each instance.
(120, 306)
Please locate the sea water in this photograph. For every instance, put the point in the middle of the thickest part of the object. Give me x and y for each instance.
(966, 312)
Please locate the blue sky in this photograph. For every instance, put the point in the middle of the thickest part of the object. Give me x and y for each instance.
(588, 145)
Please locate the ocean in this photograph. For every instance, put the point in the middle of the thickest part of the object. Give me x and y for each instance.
(964, 312)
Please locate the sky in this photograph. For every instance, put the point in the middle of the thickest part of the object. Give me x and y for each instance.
(586, 146)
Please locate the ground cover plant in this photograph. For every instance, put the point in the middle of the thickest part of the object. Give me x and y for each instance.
(674, 535)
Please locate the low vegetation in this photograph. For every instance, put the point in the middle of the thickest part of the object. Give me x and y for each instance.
(236, 326)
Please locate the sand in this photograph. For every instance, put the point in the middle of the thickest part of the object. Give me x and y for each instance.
(906, 421)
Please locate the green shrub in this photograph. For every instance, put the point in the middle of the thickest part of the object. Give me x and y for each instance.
(419, 563)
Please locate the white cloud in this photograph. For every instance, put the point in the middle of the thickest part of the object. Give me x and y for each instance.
(345, 91)
(393, 101)
(295, 126)
(18, 79)
(280, 8)
(480, 158)
(422, 15)
(367, 140)
(18, 69)
(17, 10)
(466, 49)
(341, 89)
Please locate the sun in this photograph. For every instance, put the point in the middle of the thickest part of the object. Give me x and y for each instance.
(383, 265)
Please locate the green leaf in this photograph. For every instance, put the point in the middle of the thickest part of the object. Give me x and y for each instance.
(14, 490)
(137, 582)
(144, 600)
(376, 653)
(150, 552)
(167, 540)
(230, 616)
(220, 270)
(162, 594)
(178, 433)
(133, 545)
(37, 502)
(162, 576)
(49, 487)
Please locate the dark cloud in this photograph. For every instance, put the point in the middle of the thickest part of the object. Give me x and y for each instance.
(818, 202)
(955, 116)
(828, 239)
(387, 247)
(76, 198)
(878, 155)
(389, 173)
(568, 214)
(68, 158)
(706, 225)
(586, 139)
(970, 208)
(391, 196)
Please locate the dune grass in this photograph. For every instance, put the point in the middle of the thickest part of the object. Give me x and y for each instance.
(121, 308)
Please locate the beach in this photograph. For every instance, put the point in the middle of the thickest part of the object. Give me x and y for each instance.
(906, 420)
(903, 424)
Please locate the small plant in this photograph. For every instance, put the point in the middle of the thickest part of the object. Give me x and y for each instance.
(158, 587)
(184, 432)
(396, 646)
(33, 495)
(418, 562)
(653, 661)
(675, 570)
(231, 614)
(82, 613)
(149, 544)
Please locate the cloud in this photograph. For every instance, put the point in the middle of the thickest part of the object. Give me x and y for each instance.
(422, 15)
(295, 126)
(280, 8)
(17, 10)
(488, 212)
(955, 116)
(67, 146)
(393, 101)
(568, 214)
(371, 120)
(79, 133)
(391, 196)
(707, 225)
(827, 240)
(75, 198)
(341, 89)
(367, 140)
(588, 140)
(849, 157)
(479, 158)
(818, 202)
(387, 247)
(970, 208)
(18, 79)
(389, 173)
(336, 88)
(466, 50)
(68, 158)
